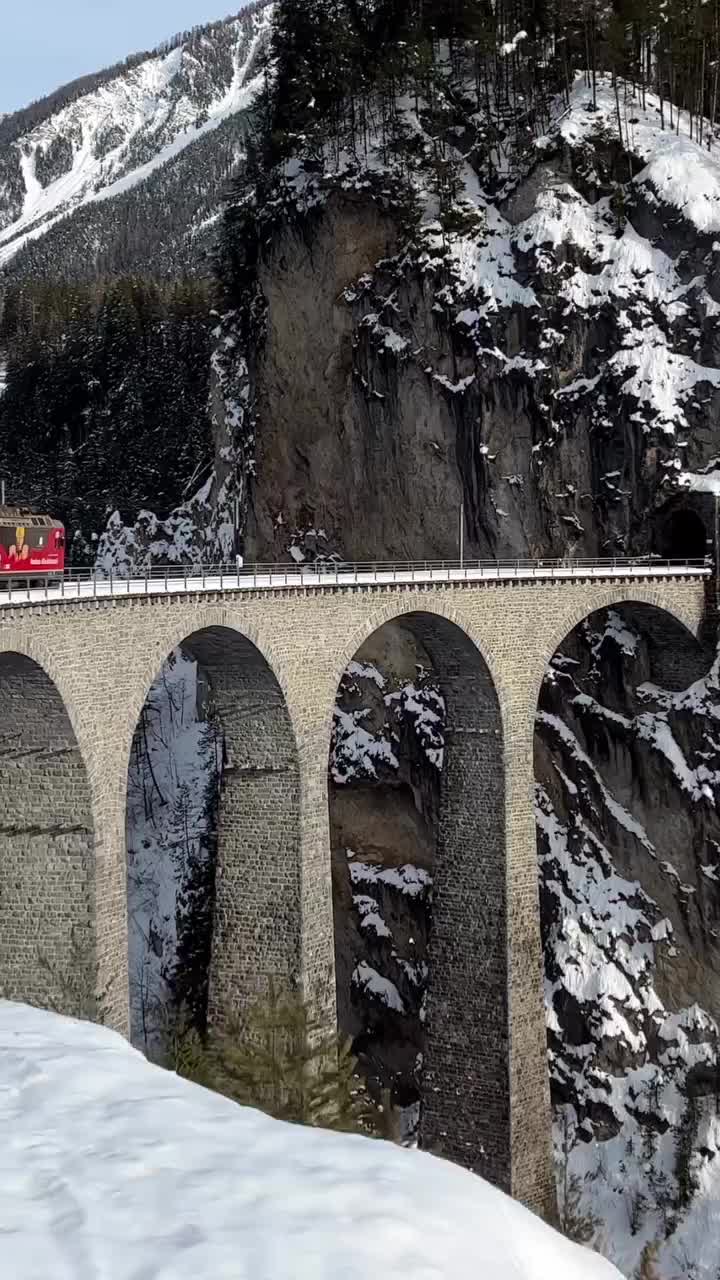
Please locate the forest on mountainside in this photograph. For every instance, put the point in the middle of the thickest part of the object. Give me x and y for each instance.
(161, 229)
(110, 195)
(105, 404)
(339, 72)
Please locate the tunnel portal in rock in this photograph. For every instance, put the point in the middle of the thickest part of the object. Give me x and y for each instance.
(46, 846)
(254, 883)
(465, 1112)
(682, 535)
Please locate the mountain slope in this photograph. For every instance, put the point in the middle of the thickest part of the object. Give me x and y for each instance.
(110, 195)
(56, 160)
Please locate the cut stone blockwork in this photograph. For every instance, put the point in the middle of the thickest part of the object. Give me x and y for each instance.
(73, 681)
(256, 934)
(46, 840)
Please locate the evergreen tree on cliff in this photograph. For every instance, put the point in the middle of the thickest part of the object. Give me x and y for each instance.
(306, 63)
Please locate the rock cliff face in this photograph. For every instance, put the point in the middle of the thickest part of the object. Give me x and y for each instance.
(385, 767)
(627, 787)
(554, 366)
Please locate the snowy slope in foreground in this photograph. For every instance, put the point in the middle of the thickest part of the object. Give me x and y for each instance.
(113, 1168)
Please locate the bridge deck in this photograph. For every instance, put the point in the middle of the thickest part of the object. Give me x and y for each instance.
(85, 584)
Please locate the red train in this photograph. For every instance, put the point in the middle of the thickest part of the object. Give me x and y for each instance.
(30, 545)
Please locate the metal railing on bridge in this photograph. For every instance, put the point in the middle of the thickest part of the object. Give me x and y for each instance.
(80, 584)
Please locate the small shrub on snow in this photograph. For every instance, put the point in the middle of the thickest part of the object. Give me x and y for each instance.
(578, 1225)
(71, 988)
(279, 1059)
(684, 1148)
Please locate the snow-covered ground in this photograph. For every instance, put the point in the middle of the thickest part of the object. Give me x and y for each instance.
(678, 170)
(112, 1168)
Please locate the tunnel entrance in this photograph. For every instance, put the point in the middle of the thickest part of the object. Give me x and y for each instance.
(682, 536)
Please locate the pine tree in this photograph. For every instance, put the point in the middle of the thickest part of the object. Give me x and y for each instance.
(684, 1147)
(574, 1222)
(280, 1059)
(72, 988)
(306, 85)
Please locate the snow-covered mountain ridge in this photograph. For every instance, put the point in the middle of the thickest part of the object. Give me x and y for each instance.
(115, 136)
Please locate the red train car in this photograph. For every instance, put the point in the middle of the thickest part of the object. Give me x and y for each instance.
(30, 544)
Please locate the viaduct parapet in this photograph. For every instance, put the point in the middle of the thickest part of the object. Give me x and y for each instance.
(73, 681)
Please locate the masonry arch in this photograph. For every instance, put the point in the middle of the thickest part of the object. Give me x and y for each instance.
(47, 844)
(671, 623)
(214, 808)
(622, 821)
(409, 672)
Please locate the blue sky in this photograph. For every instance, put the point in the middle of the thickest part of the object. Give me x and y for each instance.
(45, 43)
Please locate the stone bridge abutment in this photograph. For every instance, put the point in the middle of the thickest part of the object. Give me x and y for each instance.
(73, 682)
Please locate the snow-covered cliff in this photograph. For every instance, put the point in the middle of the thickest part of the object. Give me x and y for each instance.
(551, 356)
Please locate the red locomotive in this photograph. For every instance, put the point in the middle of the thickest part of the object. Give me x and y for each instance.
(30, 545)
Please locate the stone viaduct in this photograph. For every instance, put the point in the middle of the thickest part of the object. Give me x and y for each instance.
(73, 681)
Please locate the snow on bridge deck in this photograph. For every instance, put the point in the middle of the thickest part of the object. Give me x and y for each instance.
(85, 584)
